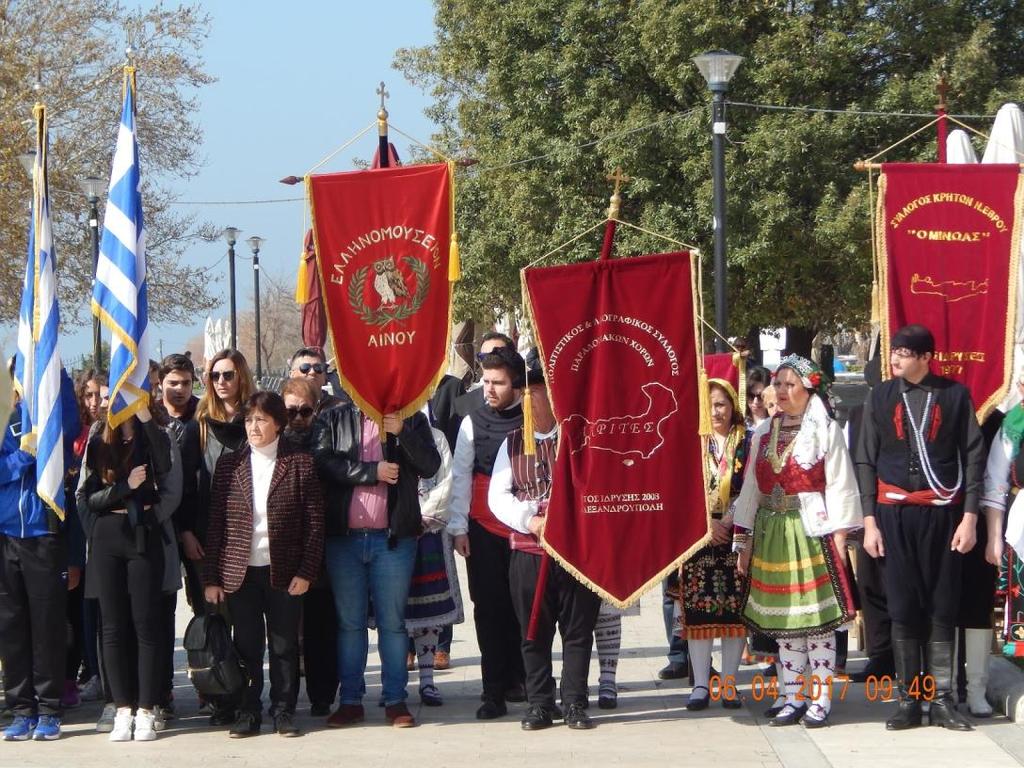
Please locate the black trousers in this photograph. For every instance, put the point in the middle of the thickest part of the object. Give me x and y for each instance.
(922, 576)
(497, 629)
(574, 608)
(320, 645)
(193, 585)
(76, 639)
(978, 593)
(168, 607)
(33, 637)
(877, 624)
(129, 584)
(260, 613)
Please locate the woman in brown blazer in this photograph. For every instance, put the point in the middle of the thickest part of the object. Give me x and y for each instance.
(264, 546)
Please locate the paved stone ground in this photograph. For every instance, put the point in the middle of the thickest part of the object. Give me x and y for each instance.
(650, 728)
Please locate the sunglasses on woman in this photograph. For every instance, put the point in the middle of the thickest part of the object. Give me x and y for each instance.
(305, 412)
(216, 375)
(314, 367)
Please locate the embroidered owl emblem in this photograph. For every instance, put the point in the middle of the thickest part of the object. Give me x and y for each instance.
(388, 282)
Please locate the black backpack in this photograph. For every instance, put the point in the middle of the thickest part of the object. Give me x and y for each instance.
(214, 666)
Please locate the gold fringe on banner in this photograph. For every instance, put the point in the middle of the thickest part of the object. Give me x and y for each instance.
(454, 261)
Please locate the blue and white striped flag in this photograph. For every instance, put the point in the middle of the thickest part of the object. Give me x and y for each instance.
(37, 364)
(119, 293)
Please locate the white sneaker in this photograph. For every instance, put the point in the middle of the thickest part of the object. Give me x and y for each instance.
(122, 730)
(144, 722)
(92, 690)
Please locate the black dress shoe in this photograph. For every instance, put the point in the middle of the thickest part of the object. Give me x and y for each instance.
(733, 703)
(674, 670)
(223, 717)
(491, 710)
(284, 724)
(319, 710)
(698, 703)
(557, 713)
(608, 700)
(773, 710)
(247, 724)
(789, 715)
(576, 717)
(537, 718)
(516, 694)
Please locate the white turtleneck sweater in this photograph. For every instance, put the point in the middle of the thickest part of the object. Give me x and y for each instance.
(263, 460)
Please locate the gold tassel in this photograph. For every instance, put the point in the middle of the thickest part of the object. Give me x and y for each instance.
(454, 264)
(704, 425)
(529, 442)
(301, 295)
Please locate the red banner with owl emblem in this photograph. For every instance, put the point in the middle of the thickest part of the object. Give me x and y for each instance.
(382, 245)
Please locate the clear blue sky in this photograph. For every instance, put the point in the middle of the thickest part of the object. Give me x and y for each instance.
(294, 81)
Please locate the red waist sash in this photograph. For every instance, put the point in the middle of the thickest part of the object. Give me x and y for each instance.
(896, 496)
(480, 510)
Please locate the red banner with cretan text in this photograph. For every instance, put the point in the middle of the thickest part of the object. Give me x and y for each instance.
(382, 245)
(619, 342)
(948, 238)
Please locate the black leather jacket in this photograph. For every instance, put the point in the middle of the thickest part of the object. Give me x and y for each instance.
(337, 443)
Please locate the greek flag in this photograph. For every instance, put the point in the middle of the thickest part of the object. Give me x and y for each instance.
(119, 293)
(37, 364)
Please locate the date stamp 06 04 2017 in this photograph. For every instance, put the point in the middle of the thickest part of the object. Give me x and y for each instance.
(881, 688)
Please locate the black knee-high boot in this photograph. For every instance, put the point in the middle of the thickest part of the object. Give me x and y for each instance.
(942, 711)
(906, 650)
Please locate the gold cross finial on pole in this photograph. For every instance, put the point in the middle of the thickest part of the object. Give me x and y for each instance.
(942, 89)
(382, 115)
(616, 200)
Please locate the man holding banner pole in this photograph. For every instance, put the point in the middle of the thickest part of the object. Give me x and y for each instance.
(518, 495)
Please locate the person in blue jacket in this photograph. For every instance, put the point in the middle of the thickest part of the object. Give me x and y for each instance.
(37, 551)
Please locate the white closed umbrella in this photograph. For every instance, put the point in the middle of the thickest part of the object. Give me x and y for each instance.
(1006, 145)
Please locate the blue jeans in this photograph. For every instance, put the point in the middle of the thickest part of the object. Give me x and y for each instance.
(361, 568)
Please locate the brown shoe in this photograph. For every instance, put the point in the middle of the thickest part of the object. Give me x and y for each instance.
(410, 662)
(346, 714)
(442, 661)
(399, 716)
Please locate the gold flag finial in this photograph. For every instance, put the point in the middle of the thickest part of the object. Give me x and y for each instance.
(382, 114)
(616, 199)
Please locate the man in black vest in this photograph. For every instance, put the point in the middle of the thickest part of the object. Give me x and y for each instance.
(481, 538)
(920, 463)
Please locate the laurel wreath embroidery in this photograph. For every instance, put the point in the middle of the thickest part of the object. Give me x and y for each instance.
(381, 316)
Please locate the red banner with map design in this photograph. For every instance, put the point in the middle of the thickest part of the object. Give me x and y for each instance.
(619, 341)
(948, 238)
(382, 246)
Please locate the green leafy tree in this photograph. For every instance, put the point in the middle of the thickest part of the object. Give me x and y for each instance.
(69, 54)
(519, 79)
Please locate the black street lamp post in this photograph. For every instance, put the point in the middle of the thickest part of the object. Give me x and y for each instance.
(255, 242)
(718, 67)
(93, 188)
(231, 235)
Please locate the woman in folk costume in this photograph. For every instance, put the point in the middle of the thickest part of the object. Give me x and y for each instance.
(798, 502)
(1002, 500)
(712, 590)
(435, 600)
